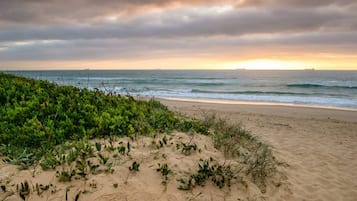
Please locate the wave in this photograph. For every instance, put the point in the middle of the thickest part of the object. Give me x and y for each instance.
(249, 92)
(314, 100)
(307, 85)
(192, 92)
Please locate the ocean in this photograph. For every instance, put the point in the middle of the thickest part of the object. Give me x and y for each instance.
(307, 87)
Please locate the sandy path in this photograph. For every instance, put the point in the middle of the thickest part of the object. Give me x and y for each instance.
(320, 145)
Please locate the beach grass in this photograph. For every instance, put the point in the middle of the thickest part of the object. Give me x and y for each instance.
(80, 132)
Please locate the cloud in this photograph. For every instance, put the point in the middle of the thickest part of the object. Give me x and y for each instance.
(132, 29)
(294, 3)
(194, 22)
(220, 46)
(59, 11)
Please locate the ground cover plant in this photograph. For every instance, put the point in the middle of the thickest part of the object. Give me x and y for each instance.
(58, 127)
(36, 115)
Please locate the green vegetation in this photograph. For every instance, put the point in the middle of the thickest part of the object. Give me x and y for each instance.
(187, 148)
(134, 166)
(24, 190)
(239, 143)
(165, 171)
(220, 175)
(44, 124)
(36, 115)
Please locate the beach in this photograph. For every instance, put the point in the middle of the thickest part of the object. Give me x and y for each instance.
(319, 145)
(176, 100)
(316, 147)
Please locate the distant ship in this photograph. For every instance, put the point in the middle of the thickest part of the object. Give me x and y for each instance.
(309, 69)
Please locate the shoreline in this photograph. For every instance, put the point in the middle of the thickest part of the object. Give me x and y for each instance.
(257, 103)
(247, 108)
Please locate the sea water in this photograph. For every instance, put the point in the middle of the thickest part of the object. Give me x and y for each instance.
(310, 87)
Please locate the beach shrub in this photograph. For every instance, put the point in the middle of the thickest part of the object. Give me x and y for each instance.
(239, 143)
(221, 175)
(38, 114)
(262, 165)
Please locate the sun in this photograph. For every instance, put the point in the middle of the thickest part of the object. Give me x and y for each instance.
(266, 64)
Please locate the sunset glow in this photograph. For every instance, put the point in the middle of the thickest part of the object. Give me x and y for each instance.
(178, 35)
(267, 64)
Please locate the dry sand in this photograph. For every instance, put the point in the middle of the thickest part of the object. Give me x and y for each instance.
(146, 184)
(320, 146)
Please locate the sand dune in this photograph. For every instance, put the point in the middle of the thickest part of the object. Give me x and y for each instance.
(146, 184)
(320, 145)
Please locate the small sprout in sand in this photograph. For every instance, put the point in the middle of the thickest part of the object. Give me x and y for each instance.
(102, 159)
(66, 196)
(121, 150)
(186, 184)
(178, 146)
(134, 166)
(153, 143)
(3, 188)
(111, 147)
(93, 184)
(41, 188)
(82, 167)
(85, 149)
(72, 156)
(24, 190)
(162, 143)
(165, 171)
(54, 190)
(77, 196)
(109, 168)
(128, 147)
(92, 167)
(164, 140)
(65, 176)
(98, 146)
(188, 148)
(115, 185)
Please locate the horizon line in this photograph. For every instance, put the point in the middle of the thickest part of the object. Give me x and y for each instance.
(176, 69)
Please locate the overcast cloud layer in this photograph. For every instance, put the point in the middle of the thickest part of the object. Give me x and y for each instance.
(37, 30)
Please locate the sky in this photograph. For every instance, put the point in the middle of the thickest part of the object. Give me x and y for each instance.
(178, 34)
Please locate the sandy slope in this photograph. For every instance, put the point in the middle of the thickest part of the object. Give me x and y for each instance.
(145, 184)
(320, 145)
